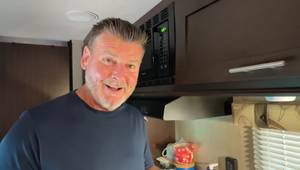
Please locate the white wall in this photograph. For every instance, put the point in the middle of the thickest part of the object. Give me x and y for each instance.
(218, 137)
(160, 133)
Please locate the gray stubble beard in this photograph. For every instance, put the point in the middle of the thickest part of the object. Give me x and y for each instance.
(92, 87)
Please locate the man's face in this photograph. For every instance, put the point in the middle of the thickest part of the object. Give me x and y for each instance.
(111, 69)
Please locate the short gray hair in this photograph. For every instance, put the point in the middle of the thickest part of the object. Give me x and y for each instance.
(118, 27)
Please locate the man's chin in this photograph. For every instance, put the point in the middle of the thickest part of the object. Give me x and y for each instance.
(111, 105)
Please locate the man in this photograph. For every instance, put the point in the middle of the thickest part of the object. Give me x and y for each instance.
(91, 128)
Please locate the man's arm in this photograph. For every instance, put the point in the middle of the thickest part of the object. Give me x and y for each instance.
(18, 149)
(153, 168)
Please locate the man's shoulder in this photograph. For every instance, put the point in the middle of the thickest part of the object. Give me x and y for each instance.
(53, 106)
(131, 107)
(134, 111)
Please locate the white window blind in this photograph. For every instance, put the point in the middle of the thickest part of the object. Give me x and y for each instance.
(276, 149)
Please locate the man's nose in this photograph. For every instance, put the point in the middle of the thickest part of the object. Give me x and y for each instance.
(118, 71)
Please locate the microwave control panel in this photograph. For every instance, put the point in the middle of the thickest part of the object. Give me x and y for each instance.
(158, 65)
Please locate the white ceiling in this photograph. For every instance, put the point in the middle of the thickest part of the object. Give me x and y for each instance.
(46, 19)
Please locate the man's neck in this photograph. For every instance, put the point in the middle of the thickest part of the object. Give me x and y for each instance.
(84, 94)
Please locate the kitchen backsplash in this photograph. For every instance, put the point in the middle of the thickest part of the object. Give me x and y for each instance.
(218, 137)
(231, 135)
(160, 133)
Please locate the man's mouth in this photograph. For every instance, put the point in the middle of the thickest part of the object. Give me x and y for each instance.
(113, 88)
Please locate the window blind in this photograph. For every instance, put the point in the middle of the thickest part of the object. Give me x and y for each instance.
(276, 149)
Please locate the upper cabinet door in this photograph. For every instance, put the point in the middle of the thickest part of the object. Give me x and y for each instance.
(237, 40)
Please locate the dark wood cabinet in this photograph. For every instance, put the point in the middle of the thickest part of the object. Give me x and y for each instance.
(214, 39)
(217, 40)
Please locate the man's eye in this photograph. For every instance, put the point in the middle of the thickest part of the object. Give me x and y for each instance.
(131, 66)
(107, 60)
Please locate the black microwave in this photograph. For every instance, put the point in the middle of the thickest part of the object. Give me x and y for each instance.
(158, 65)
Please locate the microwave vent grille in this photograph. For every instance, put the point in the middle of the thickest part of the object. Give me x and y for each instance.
(148, 24)
(148, 30)
(142, 27)
(155, 19)
(164, 14)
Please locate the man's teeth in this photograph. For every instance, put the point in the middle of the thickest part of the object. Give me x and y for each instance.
(112, 87)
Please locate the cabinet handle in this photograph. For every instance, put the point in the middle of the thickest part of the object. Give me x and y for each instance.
(262, 66)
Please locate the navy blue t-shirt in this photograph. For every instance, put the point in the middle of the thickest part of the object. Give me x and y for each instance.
(67, 134)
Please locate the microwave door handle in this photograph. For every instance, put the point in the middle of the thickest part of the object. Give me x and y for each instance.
(255, 67)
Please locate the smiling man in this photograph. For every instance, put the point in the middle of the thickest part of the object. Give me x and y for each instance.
(111, 67)
(91, 128)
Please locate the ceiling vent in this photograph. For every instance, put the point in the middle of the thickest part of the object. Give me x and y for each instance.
(82, 16)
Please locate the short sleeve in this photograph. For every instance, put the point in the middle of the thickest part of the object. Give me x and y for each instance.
(147, 153)
(148, 158)
(19, 147)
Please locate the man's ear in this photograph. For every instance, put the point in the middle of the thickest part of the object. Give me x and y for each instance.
(86, 55)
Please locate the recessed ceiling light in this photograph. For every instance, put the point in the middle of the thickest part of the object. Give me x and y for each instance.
(81, 16)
